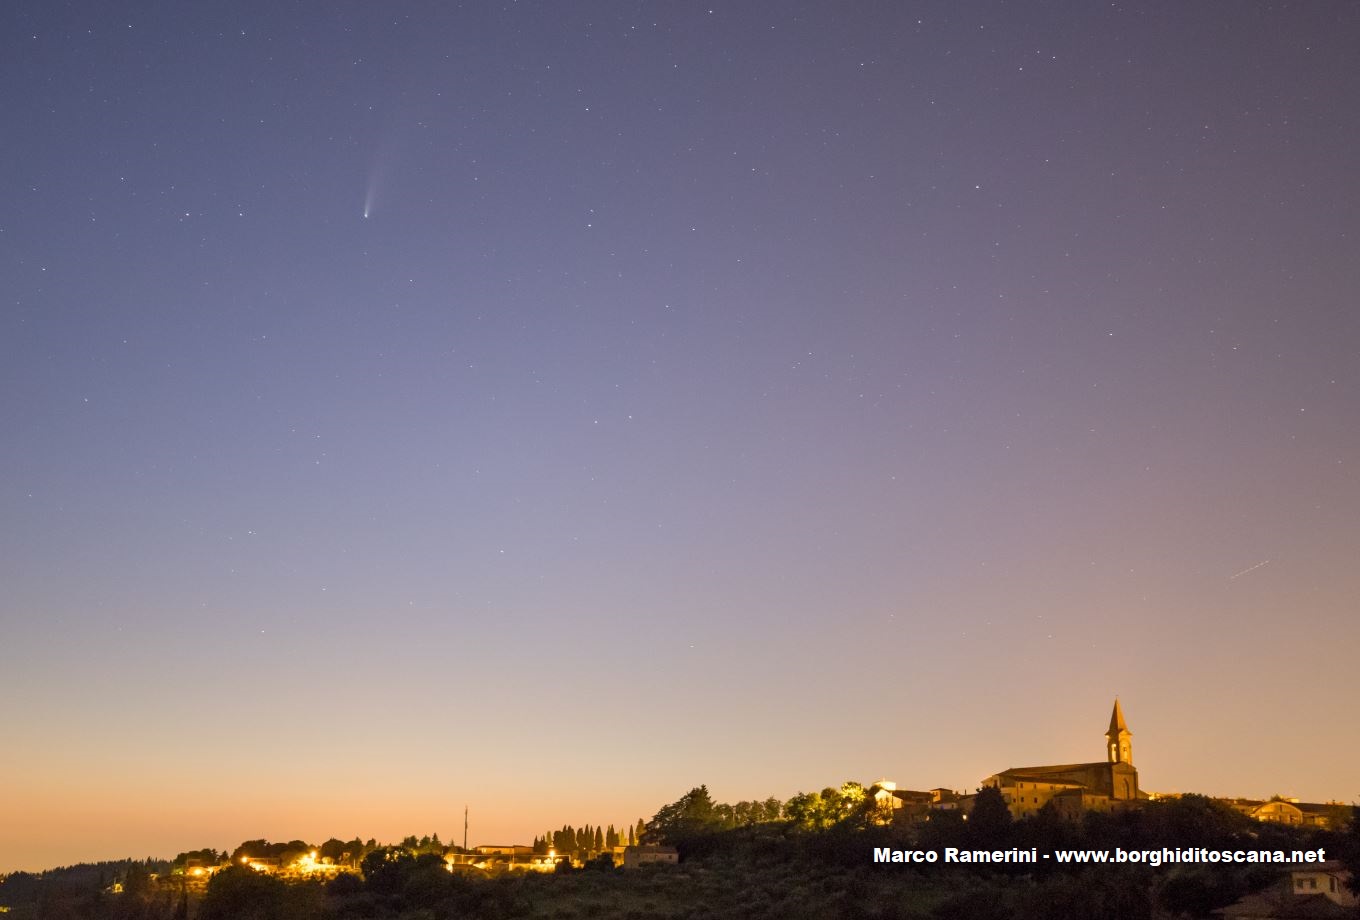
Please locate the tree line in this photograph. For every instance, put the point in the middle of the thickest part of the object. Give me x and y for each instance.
(808, 857)
(574, 841)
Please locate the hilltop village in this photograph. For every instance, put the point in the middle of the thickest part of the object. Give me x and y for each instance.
(1073, 789)
(804, 857)
(1067, 791)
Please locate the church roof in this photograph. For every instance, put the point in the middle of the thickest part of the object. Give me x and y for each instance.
(1117, 723)
(1060, 768)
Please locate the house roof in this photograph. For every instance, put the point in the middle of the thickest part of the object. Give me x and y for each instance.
(1312, 808)
(1278, 905)
(1317, 807)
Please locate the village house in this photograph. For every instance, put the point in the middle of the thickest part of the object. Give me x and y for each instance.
(635, 857)
(910, 805)
(1279, 810)
(1310, 891)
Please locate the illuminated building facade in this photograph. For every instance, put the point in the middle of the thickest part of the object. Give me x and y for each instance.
(1075, 788)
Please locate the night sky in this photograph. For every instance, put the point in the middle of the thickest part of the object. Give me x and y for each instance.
(549, 407)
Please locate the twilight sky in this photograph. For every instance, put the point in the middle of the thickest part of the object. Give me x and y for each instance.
(549, 407)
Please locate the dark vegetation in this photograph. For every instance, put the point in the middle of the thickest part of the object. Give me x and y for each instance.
(814, 861)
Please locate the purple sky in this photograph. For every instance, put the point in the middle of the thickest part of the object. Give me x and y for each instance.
(762, 395)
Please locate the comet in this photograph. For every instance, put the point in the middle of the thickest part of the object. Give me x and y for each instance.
(371, 190)
(1249, 570)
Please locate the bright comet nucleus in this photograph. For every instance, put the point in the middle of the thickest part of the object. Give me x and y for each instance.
(370, 195)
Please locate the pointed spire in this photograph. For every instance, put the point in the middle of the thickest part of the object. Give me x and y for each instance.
(1117, 723)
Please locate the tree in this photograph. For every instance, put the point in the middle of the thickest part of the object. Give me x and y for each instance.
(251, 849)
(426, 883)
(386, 869)
(136, 880)
(333, 849)
(207, 856)
(1197, 821)
(941, 829)
(1047, 830)
(240, 893)
(691, 814)
(989, 823)
(818, 811)
(1196, 891)
(292, 851)
(1350, 849)
(805, 810)
(853, 796)
(345, 885)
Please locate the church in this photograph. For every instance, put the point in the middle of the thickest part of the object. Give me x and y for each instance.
(1075, 788)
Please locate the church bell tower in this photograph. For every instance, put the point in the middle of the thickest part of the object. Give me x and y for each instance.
(1120, 746)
